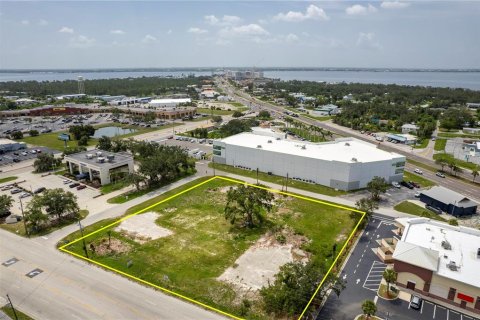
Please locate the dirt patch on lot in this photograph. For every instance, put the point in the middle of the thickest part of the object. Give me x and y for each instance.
(262, 261)
(142, 228)
(114, 246)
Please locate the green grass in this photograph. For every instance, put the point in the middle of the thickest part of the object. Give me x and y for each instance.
(422, 165)
(7, 179)
(237, 104)
(318, 118)
(422, 145)
(19, 227)
(418, 179)
(440, 144)
(204, 244)
(458, 135)
(412, 208)
(114, 186)
(460, 163)
(21, 316)
(279, 180)
(215, 112)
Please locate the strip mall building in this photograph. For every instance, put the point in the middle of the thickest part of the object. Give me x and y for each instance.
(439, 261)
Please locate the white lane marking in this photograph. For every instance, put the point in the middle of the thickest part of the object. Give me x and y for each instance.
(434, 310)
(358, 280)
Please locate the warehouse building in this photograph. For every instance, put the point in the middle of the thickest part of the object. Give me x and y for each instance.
(439, 261)
(169, 103)
(99, 165)
(448, 201)
(345, 164)
(7, 145)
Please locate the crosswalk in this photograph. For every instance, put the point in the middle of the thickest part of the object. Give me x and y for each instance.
(375, 275)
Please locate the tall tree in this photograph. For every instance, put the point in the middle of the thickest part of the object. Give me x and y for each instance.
(367, 205)
(369, 308)
(376, 186)
(34, 215)
(6, 202)
(104, 143)
(474, 174)
(247, 204)
(46, 162)
(390, 276)
(58, 203)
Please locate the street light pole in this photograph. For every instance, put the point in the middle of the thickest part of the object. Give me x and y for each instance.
(23, 218)
(13, 309)
(83, 239)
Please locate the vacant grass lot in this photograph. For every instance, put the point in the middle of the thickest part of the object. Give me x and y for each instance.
(204, 244)
(215, 112)
(440, 144)
(407, 176)
(280, 180)
(460, 163)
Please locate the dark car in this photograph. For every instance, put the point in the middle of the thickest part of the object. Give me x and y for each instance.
(406, 184)
(39, 190)
(16, 160)
(14, 191)
(82, 186)
(73, 185)
(16, 153)
(416, 302)
(416, 185)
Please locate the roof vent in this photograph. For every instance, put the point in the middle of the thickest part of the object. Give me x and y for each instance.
(89, 156)
(99, 153)
(269, 141)
(354, 160)
(347, 144)
(304, 147)
(452, 266)
(478, 253)
(446, 245)
(259, 146)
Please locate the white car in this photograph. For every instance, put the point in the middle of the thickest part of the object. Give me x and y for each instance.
(417, 194)
(418, 171)
(66, 181)
(396, 184)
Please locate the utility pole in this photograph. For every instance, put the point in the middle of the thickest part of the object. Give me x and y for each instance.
(23, 218)
(286, 183)
(13, 309)
(83, 239)
(257, 175)
(213, 165)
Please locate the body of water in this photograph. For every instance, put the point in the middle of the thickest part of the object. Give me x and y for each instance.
(111, 132)
(467, 80)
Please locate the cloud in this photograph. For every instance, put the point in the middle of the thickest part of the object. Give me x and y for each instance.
(312, 13)
(25, 22)
(291, 37)
(358, 9)
(117, 31)
(245, 30)
(197, 30)
(394, 5)
(169, 31)
(66, 30)
(81, 42)
(368, 41)
(226, 20)
(42, 22)
(149, 39)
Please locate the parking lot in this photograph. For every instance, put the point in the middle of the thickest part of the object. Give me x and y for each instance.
(7, 158)
(30, 182)
(392, 197)
(187, 143)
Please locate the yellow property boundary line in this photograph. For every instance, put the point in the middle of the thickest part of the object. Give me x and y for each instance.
(63, 248)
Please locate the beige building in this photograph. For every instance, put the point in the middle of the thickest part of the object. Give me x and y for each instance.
(436, 260)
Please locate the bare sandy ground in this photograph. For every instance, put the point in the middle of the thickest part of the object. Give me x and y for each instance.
(259, 264)
(142, 227)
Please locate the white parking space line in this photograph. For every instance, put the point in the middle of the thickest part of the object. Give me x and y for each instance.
(434, 310)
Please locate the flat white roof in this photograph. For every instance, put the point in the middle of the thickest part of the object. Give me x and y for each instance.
(159, 101)
(343, 150)
(429, 234)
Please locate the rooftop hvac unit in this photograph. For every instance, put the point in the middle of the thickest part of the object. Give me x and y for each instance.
(347, 144)
(354, 160)
(259, 146)
(89, 156)
(452, 266)
(269, 141)
(100, 159)
(478, 253)
(304, 147)
(446, 245)
(110, 157)
(99, 153)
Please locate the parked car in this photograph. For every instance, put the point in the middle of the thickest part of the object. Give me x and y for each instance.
(66, 181)
(82, 186)
(16, 160)
(39, 190)
(7, 188)
(24, 153)
(418, 171)
(407, 184)
(16, 153)
(439, 174)
(38, 151)
(14, 191)
(416, 185)
(25, 195)
(416, 302)
(417, 194)
(396, 184)
(73, 185)
(434, 209)
(33, 151)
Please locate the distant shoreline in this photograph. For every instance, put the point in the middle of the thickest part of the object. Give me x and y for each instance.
(219, 69)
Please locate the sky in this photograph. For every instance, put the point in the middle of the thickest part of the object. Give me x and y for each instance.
(137, 34)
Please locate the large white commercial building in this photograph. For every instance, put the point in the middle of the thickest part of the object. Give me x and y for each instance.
(168, 103)
(345, 164)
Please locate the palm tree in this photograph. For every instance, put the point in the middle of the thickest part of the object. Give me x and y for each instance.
(369, 308)
(474, 174)
(390, 276)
